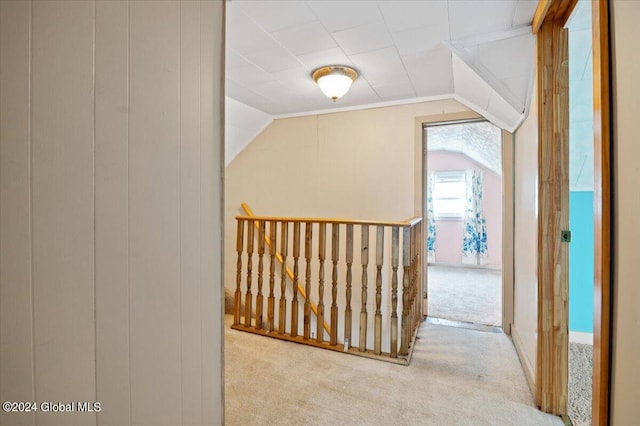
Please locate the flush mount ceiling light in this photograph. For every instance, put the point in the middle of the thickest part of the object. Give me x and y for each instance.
(335, 80)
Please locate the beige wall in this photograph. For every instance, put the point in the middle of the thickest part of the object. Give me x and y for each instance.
(110, 210)
(525, 326)
(626, 198)
(357, 164)
(450, 233)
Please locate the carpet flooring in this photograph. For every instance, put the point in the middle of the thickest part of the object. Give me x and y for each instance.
(456, 377)
(465, 294)
(580, 383)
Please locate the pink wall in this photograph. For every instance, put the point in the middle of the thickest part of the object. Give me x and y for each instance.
(449, 233)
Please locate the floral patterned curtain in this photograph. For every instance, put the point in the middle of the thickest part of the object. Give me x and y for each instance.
(474, 246)
(431, 222)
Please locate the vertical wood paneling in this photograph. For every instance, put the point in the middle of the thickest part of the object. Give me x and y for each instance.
(112, 206)
(154, 212)
(553, 271)
(126, 210)
(212, 30)
(63, 205)
(16, 344)
(191, 344)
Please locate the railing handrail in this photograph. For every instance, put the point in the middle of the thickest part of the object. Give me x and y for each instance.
(301, 290)
(404, 274)
(402, 223)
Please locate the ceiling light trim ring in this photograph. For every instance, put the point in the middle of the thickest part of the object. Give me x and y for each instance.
(334, 72)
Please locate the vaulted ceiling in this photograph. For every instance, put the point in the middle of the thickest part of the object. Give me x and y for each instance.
(479, 52)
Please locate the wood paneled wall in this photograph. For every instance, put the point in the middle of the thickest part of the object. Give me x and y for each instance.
(111, 118)
(552, 370)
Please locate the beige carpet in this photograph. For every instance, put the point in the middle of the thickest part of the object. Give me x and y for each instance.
(456, 377)
(465, 294)
(580, 383)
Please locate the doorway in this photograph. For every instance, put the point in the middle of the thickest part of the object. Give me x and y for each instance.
(463, 192)
(581, 214)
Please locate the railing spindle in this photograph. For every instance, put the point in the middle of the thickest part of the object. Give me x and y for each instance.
(403, 322)
(321, 257)
(248, 296)
(238, 294)
(364, 246)
(273, 237)
(422, 295)
(259, 298)
(406, 263)
(284, 242)
(395, 234)
(335, 247)
(296, 256)
(349, 278)
(377, 335)
(308, 235)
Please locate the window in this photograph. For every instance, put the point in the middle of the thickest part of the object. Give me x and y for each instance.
(449, 191)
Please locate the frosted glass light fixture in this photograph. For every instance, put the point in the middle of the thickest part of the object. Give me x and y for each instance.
(335, 80)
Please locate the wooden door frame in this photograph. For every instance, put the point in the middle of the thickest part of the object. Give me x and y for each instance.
(507, 282)
(555, 13)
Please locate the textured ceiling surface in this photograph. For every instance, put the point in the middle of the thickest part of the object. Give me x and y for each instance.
(404, 50)
(479, 52)
(480, 141)
(580, 98)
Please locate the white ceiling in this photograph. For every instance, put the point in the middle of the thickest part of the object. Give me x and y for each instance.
(481, 141)
(580, 98)
(405, 51)
(479, 52)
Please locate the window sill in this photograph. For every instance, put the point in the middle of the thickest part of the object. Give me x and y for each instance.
(449, 219)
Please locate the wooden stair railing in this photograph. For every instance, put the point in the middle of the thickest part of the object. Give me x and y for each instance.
(389, 338)
(285, 270)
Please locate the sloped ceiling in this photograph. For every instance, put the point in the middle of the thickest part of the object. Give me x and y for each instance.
(242, 124)
(477, 51)
(480, 141)
(580, 98)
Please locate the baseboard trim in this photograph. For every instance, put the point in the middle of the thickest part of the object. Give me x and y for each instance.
(580, 337)
(463, 265)
(529, 371)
